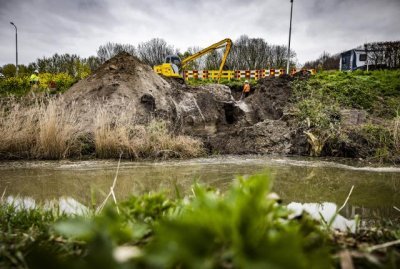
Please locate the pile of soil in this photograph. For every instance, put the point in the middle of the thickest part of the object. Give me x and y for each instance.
(260, 128)
(270, 97)
(124, 85)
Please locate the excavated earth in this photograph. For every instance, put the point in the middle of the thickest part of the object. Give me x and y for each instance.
(255, 124)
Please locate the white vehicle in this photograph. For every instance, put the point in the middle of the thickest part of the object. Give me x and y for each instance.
(353, 59)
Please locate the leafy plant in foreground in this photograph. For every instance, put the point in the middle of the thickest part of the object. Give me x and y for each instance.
(241, 229)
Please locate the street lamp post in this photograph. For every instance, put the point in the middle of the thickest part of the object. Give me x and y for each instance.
(290, 35)
(16, 48)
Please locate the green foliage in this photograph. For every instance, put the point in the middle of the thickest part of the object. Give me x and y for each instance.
(20, 85)
(312, 106)
(318, 101)
(14, 86)
(376, 91)
(378, 138)
(63, 81)
(147, 208)
(241, 229)
(22, 230)
(8, 70)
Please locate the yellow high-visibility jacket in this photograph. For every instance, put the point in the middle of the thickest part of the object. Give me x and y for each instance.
(34, 78)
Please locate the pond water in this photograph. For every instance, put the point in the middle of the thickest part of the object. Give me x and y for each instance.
(304, 184)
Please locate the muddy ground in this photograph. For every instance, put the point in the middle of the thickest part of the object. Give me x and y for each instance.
(255, 124)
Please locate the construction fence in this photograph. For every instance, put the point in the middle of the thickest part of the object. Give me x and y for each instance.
(240, 74)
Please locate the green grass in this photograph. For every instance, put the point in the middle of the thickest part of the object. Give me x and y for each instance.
(317, 103)
(377, 92)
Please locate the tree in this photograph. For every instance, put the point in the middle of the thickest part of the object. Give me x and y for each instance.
(384, 54)
(63, 63)
(8, 70)
(109, 50)
(213, 60)
(92, 62)
(324, 62)
(255, 53)
(154, 51)
(197, 64)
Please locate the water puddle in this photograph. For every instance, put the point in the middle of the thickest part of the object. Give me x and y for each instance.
(307, 184)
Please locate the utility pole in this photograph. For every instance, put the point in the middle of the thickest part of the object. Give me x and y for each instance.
(290, 35)
(16, 48)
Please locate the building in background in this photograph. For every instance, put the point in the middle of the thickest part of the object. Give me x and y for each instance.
(353, 59)
(371, 56)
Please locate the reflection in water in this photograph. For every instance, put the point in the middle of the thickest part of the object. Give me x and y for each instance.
(69, 205)
(65, 205)
(295, 180)
(327, 212)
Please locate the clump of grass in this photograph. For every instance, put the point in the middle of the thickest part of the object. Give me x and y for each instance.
(18, 129)
(49, 129)
(396, 130)
(58, 131)
(114, 135)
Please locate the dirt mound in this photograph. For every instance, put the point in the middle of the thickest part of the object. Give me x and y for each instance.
(121, 81)
(124, 86)
(124, 82)
(270, 97)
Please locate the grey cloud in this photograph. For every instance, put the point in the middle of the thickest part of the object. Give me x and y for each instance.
(80, 26)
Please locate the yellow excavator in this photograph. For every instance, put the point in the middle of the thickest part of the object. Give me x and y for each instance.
(173, 66)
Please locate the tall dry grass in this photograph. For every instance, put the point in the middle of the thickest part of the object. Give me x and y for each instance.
(42, 129)
(49, 129)
(396, 131)
(18, 129)
(115, 134)
(58, 131)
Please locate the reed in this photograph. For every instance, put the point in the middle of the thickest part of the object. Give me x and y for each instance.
(48, 128)
(18, 129)
(114, 135)
(396, 130)
(58, 131)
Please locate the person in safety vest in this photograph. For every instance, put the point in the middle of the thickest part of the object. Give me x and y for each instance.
(34, 81)
(246, 89)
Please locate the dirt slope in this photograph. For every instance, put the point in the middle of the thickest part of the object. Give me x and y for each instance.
(123, 85)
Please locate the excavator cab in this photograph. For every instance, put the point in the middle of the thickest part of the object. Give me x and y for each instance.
(175, 62)
(174, 59)
(170, 67)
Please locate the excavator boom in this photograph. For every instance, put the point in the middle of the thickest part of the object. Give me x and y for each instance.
(227, 43)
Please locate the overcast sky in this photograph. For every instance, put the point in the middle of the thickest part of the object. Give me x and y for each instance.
(46, 27)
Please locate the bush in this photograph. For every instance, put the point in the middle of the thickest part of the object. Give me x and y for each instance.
(14, 86)
(19, 86)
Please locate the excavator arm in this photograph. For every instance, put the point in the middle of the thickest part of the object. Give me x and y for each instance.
(227, 43)
(170, 69)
